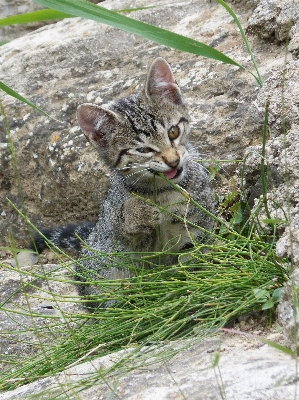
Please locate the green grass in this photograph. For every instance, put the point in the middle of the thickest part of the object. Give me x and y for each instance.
(193, 299)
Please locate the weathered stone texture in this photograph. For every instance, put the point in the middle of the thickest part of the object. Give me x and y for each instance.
(247, 370)
(274, 19)
(74, 61)
(281, 90)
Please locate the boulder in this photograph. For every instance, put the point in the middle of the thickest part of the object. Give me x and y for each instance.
(61, 178)
(246, 370)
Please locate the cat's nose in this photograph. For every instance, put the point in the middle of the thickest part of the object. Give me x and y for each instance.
(172, 163)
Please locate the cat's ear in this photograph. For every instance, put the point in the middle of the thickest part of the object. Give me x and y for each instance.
(161, 84)
(96, 123)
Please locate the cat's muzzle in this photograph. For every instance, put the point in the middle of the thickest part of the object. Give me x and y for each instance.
(172, 174)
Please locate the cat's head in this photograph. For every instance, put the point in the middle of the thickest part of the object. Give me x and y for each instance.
(143, 134)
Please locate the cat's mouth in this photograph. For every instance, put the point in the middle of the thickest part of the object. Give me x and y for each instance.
(172, 174)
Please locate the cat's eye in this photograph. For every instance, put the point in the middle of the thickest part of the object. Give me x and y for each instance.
(173, 132)
(144, 150)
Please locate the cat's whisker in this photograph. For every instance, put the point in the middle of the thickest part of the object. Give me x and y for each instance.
(194, 153)
(134, 165)
(141, 174)
(140, 167)
(132, 173)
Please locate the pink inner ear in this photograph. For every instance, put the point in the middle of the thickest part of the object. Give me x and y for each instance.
(161, 84)
(162, 72)
(96, 123)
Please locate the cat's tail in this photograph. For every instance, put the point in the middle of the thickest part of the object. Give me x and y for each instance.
(64, 236)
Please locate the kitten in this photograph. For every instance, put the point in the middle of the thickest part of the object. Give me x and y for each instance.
(139, 137)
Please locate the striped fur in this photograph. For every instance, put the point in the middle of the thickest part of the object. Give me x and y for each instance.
(141, 136)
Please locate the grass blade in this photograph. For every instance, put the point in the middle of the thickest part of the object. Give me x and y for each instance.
(17, 96)
(35, 16)
(48, 15)
(230, 11)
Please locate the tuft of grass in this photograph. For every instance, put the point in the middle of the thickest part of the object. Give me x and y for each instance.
(209, 287)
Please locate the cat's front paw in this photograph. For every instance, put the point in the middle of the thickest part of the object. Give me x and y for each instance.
(140, 217)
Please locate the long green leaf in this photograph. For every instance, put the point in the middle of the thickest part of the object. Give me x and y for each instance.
(129, 10)
(48, 15)
(35, 16)
(81, 8)
(17, 96)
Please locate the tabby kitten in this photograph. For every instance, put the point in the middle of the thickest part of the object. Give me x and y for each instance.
(141, 136)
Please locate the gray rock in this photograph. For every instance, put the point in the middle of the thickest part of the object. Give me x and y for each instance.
(288, 312)
(28, 293)
(281, 90)
(24, 258)
(74, 61)
(274, 18)
(247, 370)
(294, 42)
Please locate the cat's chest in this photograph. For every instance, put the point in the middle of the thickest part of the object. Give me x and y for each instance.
(173, 231)
(174, 208)
(170, 202)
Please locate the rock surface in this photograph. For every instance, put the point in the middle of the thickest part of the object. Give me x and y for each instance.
(274, 19)
(281, 90)
(10, 8)
(31, 300)
(247, 370)
(62, 178)
(74, 61)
